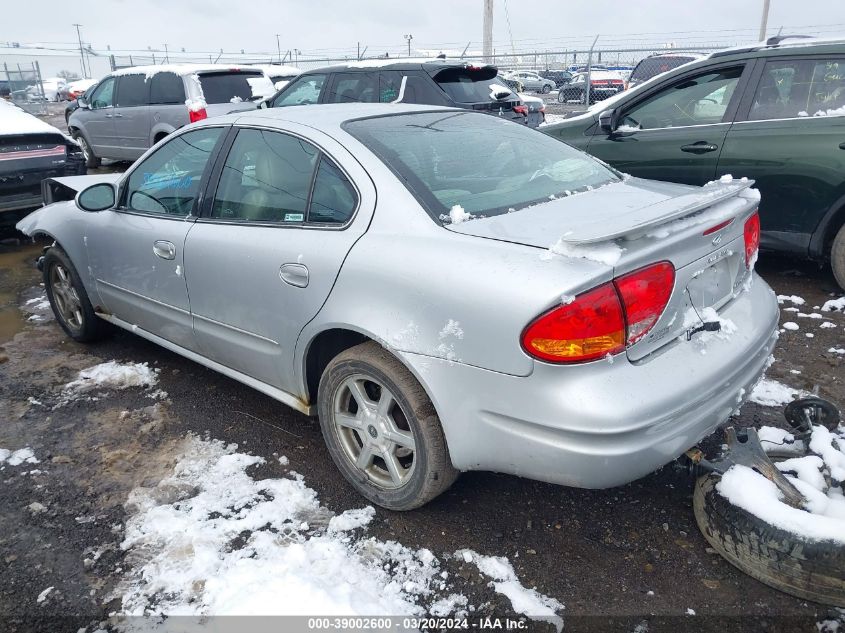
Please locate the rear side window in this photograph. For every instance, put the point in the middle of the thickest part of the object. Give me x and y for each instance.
(228, 87)
(468, 86)
(334, 199)
(303, 91)
(354, 88)
(132, 90)
(800, 88)
(167, 89)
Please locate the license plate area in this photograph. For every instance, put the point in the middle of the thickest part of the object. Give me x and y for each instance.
(713, 285)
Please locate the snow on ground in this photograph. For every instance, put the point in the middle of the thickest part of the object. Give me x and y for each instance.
(18, 457)
(799, 301)
(210, 539)
(771, 393)
(818, 476)
(112, 375)
(833, 305)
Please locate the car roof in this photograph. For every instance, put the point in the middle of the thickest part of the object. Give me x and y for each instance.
(784, 43)
(184, 69)
(325, 117)
(425, 63)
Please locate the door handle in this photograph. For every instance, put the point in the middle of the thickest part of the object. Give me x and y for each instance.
(294, 275)
(701, 147)
(118, 116)
(842, 146)
(108, 116)
(164, 249)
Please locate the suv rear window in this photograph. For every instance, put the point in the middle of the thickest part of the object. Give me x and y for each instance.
(653, 66)
(227, 86)
(467, 85)
(487, 165)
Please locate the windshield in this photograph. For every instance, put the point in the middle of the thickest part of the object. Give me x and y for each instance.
(479, 162)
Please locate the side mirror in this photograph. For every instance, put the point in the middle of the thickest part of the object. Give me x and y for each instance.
(97, 197)
(608, 120)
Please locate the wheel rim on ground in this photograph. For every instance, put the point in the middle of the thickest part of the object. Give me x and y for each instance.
(65, 297)
(374, 431)
(85, 151)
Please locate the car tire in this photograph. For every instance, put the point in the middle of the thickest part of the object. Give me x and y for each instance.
(67, 296)
(837, 257)
(91, 159)
(546, 89)
(808, 569)
(397, 475)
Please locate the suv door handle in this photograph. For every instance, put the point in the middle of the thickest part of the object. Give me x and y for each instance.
(164, 249)
(701, 147)
(294, 275)
(842, 146)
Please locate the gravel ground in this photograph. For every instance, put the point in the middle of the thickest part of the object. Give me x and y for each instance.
(618, 559)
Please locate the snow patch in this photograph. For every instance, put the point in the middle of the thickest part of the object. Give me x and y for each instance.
(833, 305)
(607, 253)
(112, 375)
(771, 393)
(18, 457)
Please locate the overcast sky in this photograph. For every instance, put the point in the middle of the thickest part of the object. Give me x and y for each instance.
(312, 25)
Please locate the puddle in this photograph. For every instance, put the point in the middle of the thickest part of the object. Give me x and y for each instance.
(17, 272)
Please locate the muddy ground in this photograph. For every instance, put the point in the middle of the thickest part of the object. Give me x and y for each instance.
(598, 552)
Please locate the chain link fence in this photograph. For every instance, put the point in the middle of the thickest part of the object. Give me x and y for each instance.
(22, 83)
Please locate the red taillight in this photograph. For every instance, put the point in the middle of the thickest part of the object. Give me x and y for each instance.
(603, 320)
(645, 293)
(521, 109)
(588, 328)
(198, 115)
(752, 238)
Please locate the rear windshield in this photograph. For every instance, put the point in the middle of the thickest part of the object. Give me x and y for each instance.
(653, 66)
(486, 165)
(233, 86)
(470, 86)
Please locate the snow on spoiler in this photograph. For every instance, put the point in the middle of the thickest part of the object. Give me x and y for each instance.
(607, 226)
(66, 187)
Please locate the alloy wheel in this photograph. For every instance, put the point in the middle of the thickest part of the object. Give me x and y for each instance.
(65, 297)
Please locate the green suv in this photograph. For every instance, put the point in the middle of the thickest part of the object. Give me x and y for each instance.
(774, 112)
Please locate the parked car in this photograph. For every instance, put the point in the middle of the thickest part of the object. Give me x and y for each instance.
(535, 110)
(279, 75)
(559, 77)
(30, 151)
(434, 82)
(76, 89)
(302, 253)
(658, 64)
(132, 109)
(511, 82)
(534, 82)
(772, 112)
(51, 90)
(603, 84)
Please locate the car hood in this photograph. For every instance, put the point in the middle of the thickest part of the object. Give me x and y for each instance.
(620, 209)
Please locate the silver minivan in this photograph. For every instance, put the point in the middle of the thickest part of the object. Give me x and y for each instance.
(132, 109)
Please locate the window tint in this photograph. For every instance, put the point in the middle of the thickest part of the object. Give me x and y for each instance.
(693, 101)
(800, 88)
(266, 178)
(420, 88)
(167, 183)
(466, 86)
(166, 89)
(653, 66)
(132, 90)
(334, 198)
(232, 87)
(485, 164)
(302, 91)
(354, 88)
(103, 96)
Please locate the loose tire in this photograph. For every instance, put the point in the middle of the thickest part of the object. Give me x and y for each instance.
(70, 303)
(780, 559)
(837, 257)
(381, 429)
(91, 159)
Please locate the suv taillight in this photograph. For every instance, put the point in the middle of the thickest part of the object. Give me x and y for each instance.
(752, 238)
(521, 109)
(198, 115)
(603, 320)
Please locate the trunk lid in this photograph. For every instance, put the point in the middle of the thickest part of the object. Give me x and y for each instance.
(629, 225)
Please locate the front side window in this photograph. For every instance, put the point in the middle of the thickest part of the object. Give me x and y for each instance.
(486, 165)
(354, 88)
(799, 88)
(103, 96)
(266, 178)
(132, 90)
(167, 89)
(697, 100)
(168, 181)
(303, 91)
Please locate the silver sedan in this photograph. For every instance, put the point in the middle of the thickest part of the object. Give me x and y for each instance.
(445, 290)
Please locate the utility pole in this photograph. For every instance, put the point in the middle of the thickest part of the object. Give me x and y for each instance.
(279, 48)
(764, 21)
(81, 52)
(487, 45)
(409, 38)
(166, 55)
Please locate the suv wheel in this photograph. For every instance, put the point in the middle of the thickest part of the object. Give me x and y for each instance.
(837, 257)
(381, 429)
(91, 159)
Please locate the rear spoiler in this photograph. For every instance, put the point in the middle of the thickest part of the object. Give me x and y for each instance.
(66, 187)
(639, 221)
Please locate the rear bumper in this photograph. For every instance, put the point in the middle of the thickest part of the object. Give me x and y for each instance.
(602, 424)
(21, 189)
